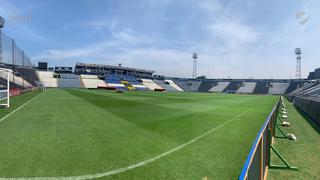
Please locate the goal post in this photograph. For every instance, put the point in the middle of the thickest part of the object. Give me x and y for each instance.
(5, 88)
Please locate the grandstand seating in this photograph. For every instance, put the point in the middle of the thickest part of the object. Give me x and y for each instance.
(232, 87)
(173, 84)
(247, 88)
(133, 82)
(310, 91)
(165, 85)
(206, 85)
(262, 87)
(3, 81)
(20, 81)
(16, 81)
(278, 88)
(29, 74)
(303, 87)
(187, 84)
(69, 81)
(220, 86)
(47, 78)
(124, 82)
(151, 84)
(307, 98)
(114, 80)
(92, 81)
(293, 85)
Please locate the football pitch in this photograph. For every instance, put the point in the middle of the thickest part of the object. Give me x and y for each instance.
(86, 134)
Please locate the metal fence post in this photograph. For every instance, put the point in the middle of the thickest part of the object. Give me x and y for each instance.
(13, 52)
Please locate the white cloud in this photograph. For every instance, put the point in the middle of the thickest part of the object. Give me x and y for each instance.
(91, 50)
(226, 46)
(234, 33)
(130, 36)
(209, 5)
(103, 24)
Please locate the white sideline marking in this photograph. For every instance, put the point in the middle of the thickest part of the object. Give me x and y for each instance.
(139, 164)
(6, 116)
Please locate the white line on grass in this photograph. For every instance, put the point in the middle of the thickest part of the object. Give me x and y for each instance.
(139, 164)
(6, 116)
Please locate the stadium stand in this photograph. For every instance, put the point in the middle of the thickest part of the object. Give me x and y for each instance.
(114, 80)
(151, 84)
(232, 87)
(293, 85)
(128, 85)
(101, 69)
(220, 86)
(278, 88)
(29, 74)
(303, 88)
(92, 81)
(247, 88)
(191, 85)
(165, 85)
(262, 87)
(3, 81)
(173, 84)
(20, 81)
(132, 83)
(307, 98)
(310, 91)
(47, 78)
(69, 81)
(206, 85)
(124, 82)
(16, 81)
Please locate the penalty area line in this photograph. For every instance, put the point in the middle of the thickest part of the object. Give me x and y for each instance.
(20, 107)
(133, 166)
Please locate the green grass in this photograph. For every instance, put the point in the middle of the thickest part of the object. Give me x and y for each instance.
(76, 132)
(303, 153)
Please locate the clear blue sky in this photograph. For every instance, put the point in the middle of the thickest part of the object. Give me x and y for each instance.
(240, 39)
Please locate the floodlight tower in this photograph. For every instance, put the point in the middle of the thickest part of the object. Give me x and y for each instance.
(1, 26)
(195, 58)
(298, 65)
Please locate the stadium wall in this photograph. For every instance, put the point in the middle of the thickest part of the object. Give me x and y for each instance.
(311, 107)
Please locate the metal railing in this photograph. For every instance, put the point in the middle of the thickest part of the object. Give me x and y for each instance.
(258, 160)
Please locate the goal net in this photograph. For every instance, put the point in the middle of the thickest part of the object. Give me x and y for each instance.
(5, 87)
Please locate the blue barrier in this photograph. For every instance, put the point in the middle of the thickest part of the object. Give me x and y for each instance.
(258, 160)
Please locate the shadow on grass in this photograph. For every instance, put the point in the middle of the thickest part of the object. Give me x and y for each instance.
(313, 124)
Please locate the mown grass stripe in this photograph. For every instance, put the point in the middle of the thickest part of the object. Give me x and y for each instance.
(20, 107)
(139, 164)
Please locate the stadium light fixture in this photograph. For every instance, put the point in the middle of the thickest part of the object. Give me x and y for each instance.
(298, 65)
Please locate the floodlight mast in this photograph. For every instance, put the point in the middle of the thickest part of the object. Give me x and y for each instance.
(298, 64)
(194, 57)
